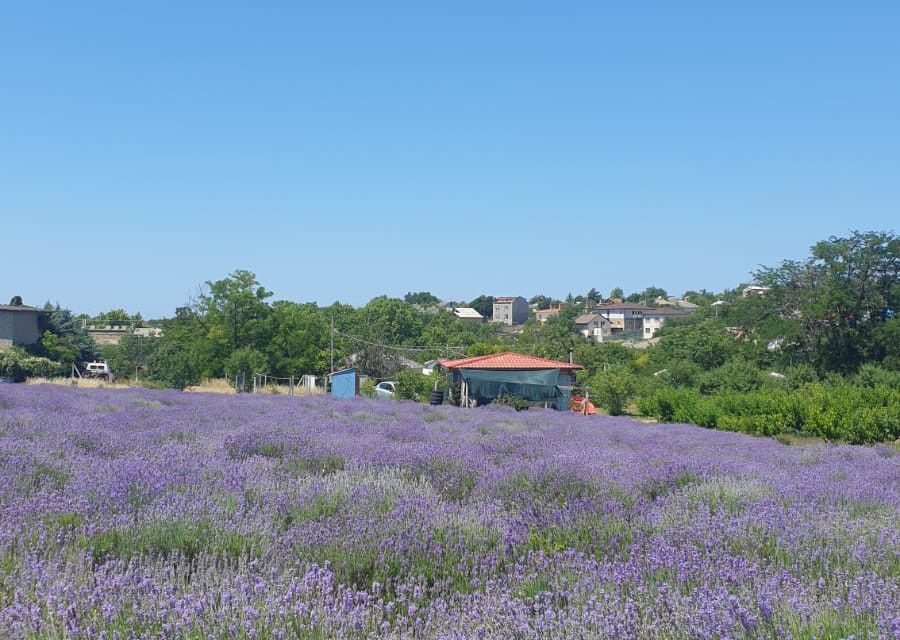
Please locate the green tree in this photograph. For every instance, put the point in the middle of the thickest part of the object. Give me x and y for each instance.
(617, 293)
(243, 364)
(735, 375)
(422, 298)
(600, 357)
(484, 305)
(172, 365)
(117, 318)
(886, 338)
(391, 321)
(234, 311)
(612, 389)
(841, 295)
(706, 345)
(130, 353)
(543, 302)
(703, 297)
(648, 296)
(63, 338)
(300, 339)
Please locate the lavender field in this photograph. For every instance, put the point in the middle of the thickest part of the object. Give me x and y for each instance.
(157, 514)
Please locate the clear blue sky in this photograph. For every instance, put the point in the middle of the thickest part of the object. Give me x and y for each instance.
(347, 150)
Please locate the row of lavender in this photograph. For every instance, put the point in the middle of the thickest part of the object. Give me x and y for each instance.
(167, 515)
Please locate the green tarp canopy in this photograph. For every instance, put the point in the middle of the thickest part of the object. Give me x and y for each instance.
(540, 385)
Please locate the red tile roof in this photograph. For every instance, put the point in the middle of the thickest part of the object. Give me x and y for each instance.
(507, 361)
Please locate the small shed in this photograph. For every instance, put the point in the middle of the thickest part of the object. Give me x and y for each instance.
(345, 383)
(485, 378)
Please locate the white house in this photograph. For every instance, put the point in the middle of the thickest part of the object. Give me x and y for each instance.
(755, 290)
(624, 316)
(594, 326)
(654, 319)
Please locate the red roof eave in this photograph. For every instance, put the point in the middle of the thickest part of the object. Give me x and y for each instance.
(507, 360)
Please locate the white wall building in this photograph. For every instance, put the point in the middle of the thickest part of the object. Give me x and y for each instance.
(594, 326)
(654, 319)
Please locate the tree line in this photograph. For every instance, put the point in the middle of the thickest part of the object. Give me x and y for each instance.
(827, 320)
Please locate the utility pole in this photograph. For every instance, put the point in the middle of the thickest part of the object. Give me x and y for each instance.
(332, 342)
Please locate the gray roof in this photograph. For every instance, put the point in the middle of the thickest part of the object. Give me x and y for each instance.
(587, 318)
(665, 311)
(619, 306)
(6, 307)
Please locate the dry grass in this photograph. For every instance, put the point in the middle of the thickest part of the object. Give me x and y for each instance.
(85, 383)
(216, 385)
(283, 389)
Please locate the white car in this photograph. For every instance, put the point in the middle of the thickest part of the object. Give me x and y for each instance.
(386, 389)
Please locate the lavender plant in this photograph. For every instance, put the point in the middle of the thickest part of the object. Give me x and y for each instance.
(158, 514)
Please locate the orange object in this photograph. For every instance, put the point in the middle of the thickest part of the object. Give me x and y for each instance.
(579, 405)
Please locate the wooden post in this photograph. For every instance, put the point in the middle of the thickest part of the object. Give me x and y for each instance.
(292, 385)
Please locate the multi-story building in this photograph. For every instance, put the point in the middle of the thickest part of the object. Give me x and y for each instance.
(654, 319)
(18, 325)
(510, 310)
(624, 317)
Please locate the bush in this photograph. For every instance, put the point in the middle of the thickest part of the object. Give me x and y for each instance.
(612, 389)
(18, 365)
(801, 374)
(871, 375)
(509, 400)
(734, 375)
(412, 384)
(852, 414)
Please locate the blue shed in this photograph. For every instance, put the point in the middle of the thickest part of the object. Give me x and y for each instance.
(345, 383)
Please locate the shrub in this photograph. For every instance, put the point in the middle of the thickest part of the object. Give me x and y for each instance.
(18, 365)
(800, 374)
(509, 400)
(872, 375)
(412, 384)
(853, 414)
(734, 375)
(612, 389)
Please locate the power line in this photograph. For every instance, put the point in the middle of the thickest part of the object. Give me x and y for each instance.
(397, 347)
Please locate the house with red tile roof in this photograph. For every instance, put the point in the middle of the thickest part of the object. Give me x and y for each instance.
(483, 379)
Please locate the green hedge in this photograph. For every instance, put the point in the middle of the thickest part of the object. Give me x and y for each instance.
(853, 414)
(18, 365)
